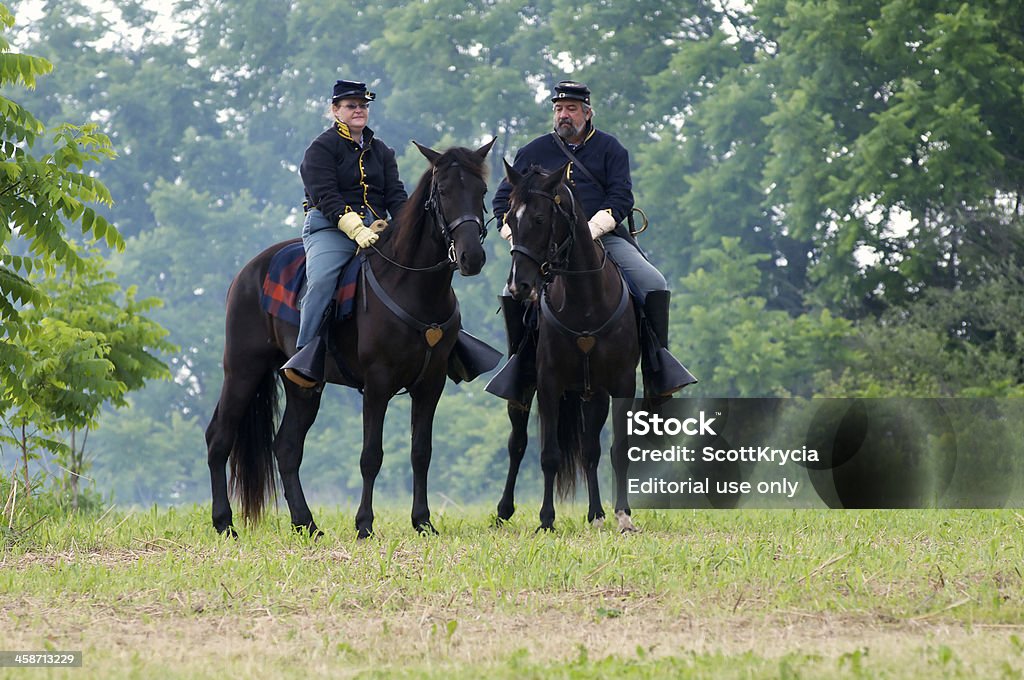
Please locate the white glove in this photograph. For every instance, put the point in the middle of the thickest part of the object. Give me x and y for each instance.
(505, 230)
(352, 225)
(601, 223)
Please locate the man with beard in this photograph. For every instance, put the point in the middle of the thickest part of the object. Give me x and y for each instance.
(598, 175)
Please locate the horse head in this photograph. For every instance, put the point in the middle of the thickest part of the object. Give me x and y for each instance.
(542, 215)
(455, 200)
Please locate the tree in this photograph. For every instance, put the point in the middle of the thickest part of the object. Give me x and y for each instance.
(870, 148)
(736, 346)
(68, 344)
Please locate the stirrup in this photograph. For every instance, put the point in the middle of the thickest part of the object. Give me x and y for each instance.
(510, 383)
(306, 367)
(664, 374)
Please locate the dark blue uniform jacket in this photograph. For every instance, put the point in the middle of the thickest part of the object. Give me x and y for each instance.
(603, 156)
(340, 176)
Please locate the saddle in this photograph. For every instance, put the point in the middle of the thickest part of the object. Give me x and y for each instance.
(285, 284)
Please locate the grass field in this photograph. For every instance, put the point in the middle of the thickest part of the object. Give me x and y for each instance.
(788, 594)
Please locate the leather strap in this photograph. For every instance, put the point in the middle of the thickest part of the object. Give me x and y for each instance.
(576, 161)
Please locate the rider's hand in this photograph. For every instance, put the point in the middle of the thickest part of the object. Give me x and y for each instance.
(505, 230)
(354, 229)
(601, 223)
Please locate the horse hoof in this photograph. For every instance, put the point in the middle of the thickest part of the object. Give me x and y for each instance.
(310, 530)
(364, 534)
(427, 529)
(499, 522)
(546, 529)
(597, 523)
(626, 525)
(228, 532)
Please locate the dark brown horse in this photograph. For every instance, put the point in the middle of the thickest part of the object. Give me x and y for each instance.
(404, 330)
(587, 347)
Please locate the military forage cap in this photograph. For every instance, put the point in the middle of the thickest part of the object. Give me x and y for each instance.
(350, 89)
(570, 89)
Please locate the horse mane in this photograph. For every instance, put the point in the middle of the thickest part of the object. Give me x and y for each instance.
(411, 216)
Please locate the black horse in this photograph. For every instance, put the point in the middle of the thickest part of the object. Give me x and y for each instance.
(405, 328)
(587, 346)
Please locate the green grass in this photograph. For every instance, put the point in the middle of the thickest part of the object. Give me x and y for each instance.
(696, 594)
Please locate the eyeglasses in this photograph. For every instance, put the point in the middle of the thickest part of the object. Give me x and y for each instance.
(353, 107)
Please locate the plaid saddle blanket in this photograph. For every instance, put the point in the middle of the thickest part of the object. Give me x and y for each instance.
(286, 279)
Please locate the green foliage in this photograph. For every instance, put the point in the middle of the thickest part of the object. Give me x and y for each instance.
(948, 343)
(71, 340)
(736, 346)
(861, 159)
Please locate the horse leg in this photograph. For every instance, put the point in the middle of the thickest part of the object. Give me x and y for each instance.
(236, 399)
(424, 404)
(620, 465)
(519, 418)
(219, 438)
(595, 413)
(375, 405)
(550, 453)
(300, 411)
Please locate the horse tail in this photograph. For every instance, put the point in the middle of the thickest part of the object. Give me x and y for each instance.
(253, 477)
(570, 441)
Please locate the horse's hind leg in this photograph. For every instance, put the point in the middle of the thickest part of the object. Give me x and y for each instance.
(236, 398)
(299, 414)
(219, 439)
(519, 418)
(620, 465)
(595, 413)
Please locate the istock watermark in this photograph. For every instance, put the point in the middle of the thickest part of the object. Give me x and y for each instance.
(824, 453)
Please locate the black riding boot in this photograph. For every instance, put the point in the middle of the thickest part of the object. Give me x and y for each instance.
(517, 378)
(306, 367)
(662, 372)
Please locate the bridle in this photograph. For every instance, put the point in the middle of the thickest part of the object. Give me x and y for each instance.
(557, 260)
(433, 207)
(447, 227)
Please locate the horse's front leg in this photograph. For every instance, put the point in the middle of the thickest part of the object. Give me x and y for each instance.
(620, 464)
(300, 411)
(595, 413)
(424, 404)
(375, 405)
(550, 452)
(519, 418)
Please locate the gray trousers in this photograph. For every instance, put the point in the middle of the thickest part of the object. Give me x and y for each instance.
(328, 249)
(641, 273)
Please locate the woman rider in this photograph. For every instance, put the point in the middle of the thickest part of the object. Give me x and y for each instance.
(352, 185)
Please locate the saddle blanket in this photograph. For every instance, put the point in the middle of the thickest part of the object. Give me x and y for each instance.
(286, 282)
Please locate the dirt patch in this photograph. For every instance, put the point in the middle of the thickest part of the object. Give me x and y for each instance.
(480, 635)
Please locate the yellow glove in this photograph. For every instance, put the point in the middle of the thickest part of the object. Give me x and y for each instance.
(354, 229)
(601, 223)
(378, 226)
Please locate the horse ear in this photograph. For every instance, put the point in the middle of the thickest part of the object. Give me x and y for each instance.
(482, 151)
(427, 152)
(557, 177)
(513, 177)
